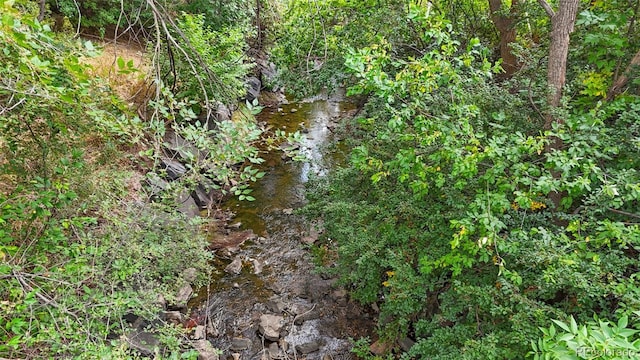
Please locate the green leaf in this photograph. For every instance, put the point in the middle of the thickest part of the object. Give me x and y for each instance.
(562, 325)
(622, 322)
(574, 326)
(120, 62)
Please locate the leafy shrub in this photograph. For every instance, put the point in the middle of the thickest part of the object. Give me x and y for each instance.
(209, 66)
(313, 38)
(76, 252)
(596, 340)
(444, 216)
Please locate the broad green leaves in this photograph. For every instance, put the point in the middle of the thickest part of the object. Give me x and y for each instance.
(597, 339)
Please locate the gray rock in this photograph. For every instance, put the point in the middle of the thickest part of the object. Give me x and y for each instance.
(144, 342)
(186, 204)
(204, 194)
(276, 304)
(306, 316)
(318, 288)
(257, 266)
(206, 351)
(274, 351)
(313, 236)
(253, 86)
(239, 344)
(174, 168)
(185, 150)
(235, 267)
(211, 120)
(309, 240)
(156, 184)
(338, 294)
(297, 287)
(183, 296)
(309, 347)
(175, 317)
(267, 69)
(223, 113)
(270, 326)
(299, 309)
(340, 297)
(199, 333)
(406, 343)
(375, 307)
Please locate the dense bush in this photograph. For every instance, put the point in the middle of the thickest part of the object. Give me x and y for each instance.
(312, 39)
(444, 217)
(79, 249)
(106, 15)
(205, 65)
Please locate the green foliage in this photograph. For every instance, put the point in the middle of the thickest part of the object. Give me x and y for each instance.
(220, 156)
(67, 290)
(100, 15)
(445, 219)
(77, 254)
(313, 38)
(606, 35)
(210, 65)
(221, 14)
(596, 340)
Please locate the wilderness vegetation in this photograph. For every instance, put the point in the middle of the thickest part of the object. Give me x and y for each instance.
(82, 248)
(489, 207)
(492, 189)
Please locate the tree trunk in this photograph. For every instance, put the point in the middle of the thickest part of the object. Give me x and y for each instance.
(562, 25)
(507, 30)
(259, 26)
(622, 81)
(42, 10)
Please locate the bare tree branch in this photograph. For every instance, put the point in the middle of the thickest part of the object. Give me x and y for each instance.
(547, 8)
(623, 79)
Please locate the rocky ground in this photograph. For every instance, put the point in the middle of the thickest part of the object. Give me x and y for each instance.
(270, 303)
(267, 300)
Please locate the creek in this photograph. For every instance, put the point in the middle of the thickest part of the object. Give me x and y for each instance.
(266, 272)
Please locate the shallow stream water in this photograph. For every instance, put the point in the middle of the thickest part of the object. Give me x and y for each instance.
(276, 275)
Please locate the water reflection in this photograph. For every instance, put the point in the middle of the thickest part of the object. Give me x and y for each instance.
(283, 185)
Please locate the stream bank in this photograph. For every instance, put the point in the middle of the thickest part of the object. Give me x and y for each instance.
(266, 301)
